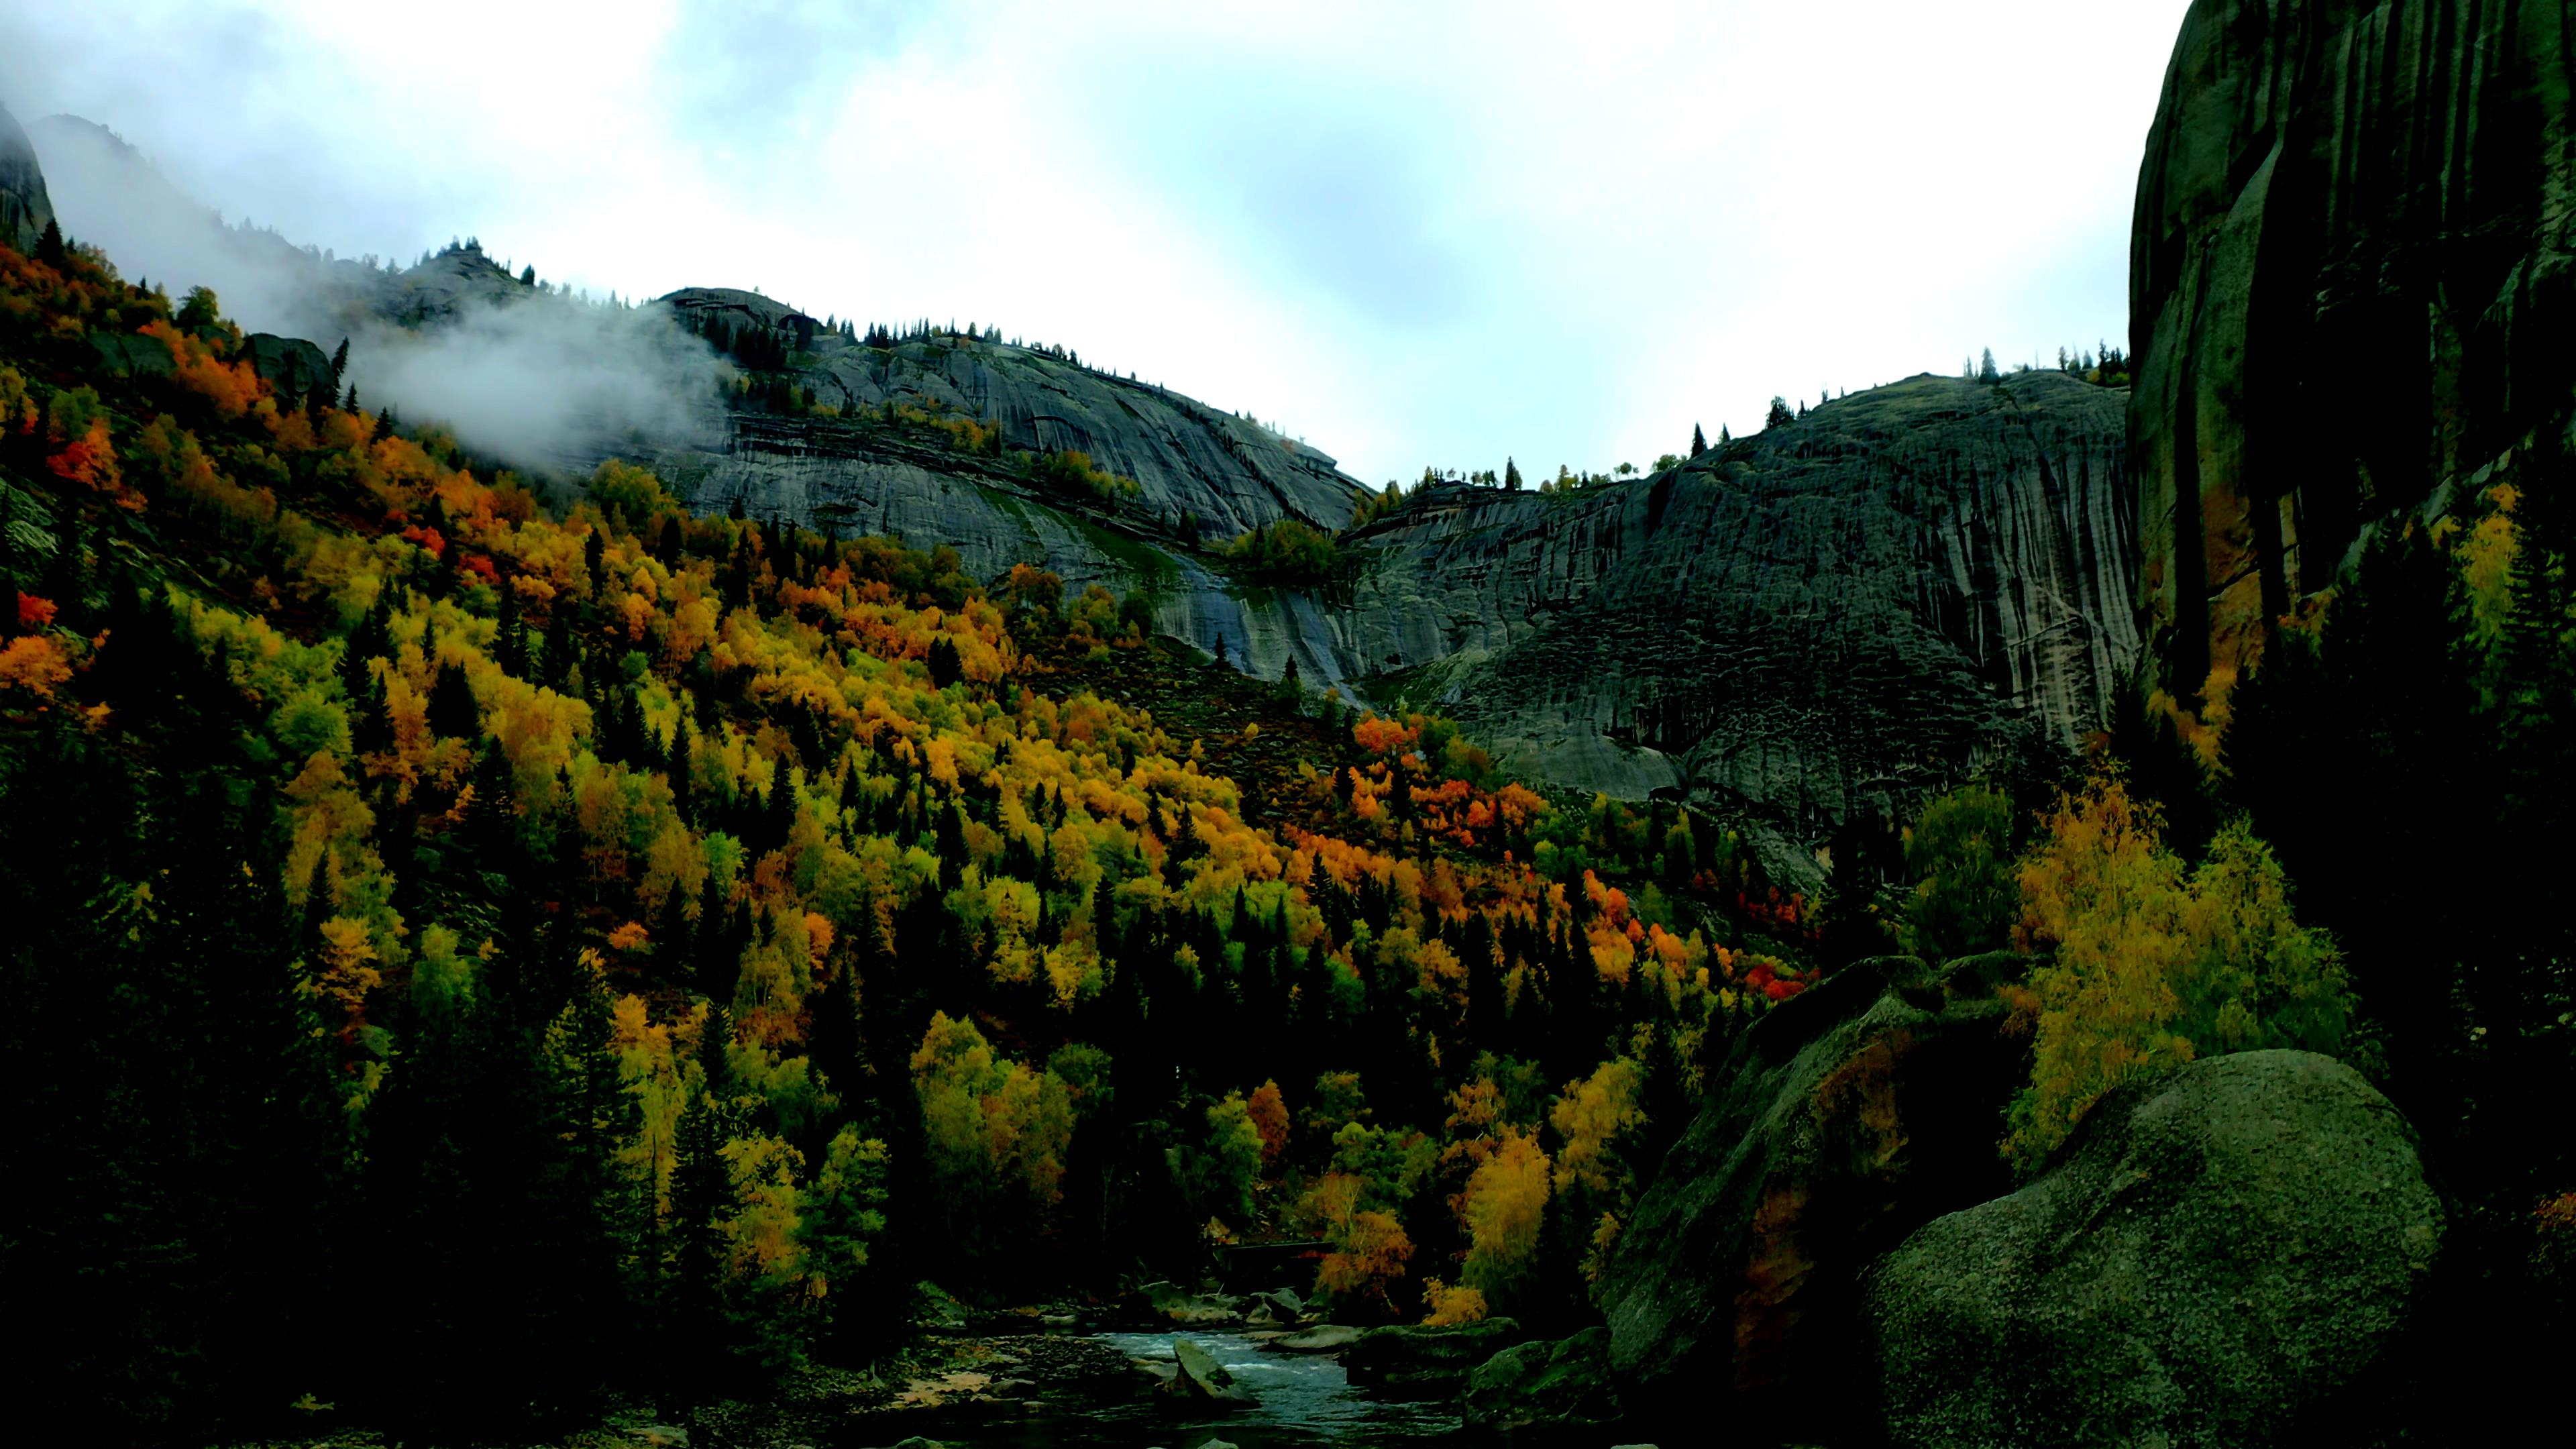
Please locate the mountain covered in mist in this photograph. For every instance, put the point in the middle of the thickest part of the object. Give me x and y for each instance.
(1962, 550)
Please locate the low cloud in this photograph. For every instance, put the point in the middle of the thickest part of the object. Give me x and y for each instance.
(530, 375)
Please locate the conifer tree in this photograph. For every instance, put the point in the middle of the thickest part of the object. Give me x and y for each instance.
(49, 244)
(1699, 441)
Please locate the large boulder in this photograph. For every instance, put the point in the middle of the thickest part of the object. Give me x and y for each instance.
(2352, 267)
(1201, 1379)
(1409, 1356)
(1560, 1385)
(24, 205)
(1845, 1119)
(2221, 1256)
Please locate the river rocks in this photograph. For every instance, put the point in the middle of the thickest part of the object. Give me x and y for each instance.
(1409, 1356)
(1844, 1119)
(1200, 1378)
(1322, 1338)
(24, 205)
(1565, 1384)
(2222, 1256)
(2352, 267)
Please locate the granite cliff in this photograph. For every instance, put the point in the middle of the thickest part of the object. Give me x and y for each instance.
(24, 205)
(2353, 261)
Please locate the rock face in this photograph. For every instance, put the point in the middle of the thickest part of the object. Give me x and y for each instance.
(1842, 1121)
(1204, 473)
(24, 206)
(2221, 1257)
(1814, 622)
(2353, 260)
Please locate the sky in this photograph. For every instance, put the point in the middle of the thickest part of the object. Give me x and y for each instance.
(1412, 235)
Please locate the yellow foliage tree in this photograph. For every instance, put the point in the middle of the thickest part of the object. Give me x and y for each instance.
(2155, 965)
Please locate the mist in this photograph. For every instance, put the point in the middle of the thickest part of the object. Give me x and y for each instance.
(536, 377)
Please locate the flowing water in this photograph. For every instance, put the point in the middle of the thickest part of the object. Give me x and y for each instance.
(1302, 1400)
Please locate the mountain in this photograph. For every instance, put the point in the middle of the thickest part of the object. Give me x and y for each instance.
(1963, 552)
(2353, 263)
(1819, 622)
(24, 205)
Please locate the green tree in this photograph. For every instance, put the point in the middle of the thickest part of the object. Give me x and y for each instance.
(1960, 854)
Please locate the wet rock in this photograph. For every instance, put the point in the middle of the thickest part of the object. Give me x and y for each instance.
(2352, 264)
(1843, 1120)
(1565, 1384)
(1409, 1356)
(1322, 1338)
(1199, 1377)
(2226, 1255)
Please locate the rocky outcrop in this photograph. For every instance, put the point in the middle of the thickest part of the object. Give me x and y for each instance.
(1843, 1120)
(1203, 473)
(24, 205)
(1820, 621)
(2224, 1256)
(1427, 1360)
(1561, 1385)
(2353, 266)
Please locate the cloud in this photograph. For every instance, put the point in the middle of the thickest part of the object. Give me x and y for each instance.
(1416, 234)
(544, 382)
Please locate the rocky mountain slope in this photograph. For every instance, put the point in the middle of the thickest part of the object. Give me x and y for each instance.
(1816, 622)
(2353, 258)
(1805, 626)
(1810, 623)
(24, 205)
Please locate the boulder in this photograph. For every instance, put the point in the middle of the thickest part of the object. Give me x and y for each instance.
(1201, 1379)
(2352, 262)
(2225, 1255)
(290, 364)
(1409, 1356)
(1841, 1121)
(1322, 1338)
(1565, 1384)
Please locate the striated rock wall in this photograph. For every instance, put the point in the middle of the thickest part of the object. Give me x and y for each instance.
(24, 206)
(1811, 623)
(1204, 473)
(2353, 265)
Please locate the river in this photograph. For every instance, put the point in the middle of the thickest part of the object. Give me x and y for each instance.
(1301, 1399)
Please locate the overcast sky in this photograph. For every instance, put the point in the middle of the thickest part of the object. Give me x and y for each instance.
(1412, 234)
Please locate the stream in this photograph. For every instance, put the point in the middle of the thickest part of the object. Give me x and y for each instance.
(1302, 1399)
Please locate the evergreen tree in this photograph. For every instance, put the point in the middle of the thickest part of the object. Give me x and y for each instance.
(49, 244)
(1779, 416)
(1699, 441)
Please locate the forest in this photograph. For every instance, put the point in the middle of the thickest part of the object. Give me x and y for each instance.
(478, 948)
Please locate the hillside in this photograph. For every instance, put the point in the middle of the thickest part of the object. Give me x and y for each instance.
(602, 915)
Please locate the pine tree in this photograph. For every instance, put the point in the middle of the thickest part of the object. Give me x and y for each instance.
(1779, 416)
(49, 244)
(1699, 441)
(1986, 370)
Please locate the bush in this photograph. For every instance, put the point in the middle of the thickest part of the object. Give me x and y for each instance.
(1959, 852)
